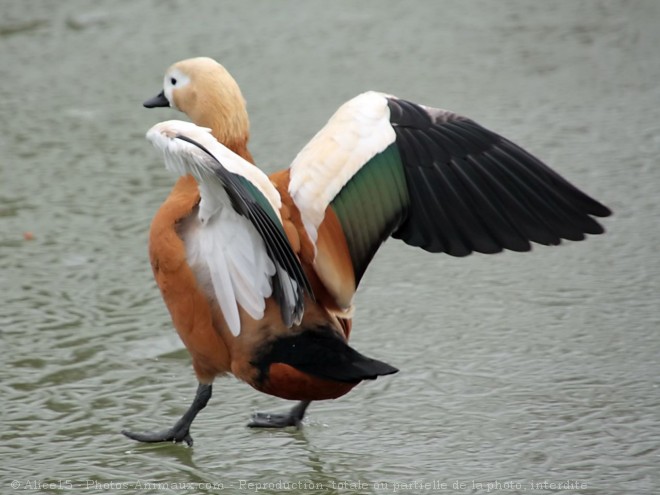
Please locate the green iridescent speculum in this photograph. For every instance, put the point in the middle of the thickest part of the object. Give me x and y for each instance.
(371, 206)
(262, 201)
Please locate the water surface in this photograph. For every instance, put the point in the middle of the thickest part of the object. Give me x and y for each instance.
(526, 369)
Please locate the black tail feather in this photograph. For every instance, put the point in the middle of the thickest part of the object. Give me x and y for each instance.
(322, 353)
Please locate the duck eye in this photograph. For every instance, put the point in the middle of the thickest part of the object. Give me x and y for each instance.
(173, 81)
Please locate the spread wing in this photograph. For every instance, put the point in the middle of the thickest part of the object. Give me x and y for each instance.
(241, 239)
(383, 166)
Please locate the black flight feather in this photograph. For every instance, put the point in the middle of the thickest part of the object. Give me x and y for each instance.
(277, 245)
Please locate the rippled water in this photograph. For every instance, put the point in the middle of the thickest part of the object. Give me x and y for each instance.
(517, 369)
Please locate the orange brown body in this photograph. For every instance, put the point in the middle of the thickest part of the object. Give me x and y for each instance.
(382, 167)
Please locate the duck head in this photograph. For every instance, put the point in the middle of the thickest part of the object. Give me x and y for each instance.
(205, 91)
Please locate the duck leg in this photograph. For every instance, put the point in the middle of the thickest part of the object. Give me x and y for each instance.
(180, 432)
(292, 418)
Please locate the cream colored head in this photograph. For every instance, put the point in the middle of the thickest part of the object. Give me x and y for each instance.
(204, 90)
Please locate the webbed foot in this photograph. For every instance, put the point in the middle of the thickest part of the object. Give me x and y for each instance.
(180, 432)
(172, 435)
(280, 420)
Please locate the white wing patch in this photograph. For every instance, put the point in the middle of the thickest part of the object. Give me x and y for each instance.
(239, 267)
(224, 249)
(358, 131)
(184, 158)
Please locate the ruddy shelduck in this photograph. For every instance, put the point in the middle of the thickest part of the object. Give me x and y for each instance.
(259, 273)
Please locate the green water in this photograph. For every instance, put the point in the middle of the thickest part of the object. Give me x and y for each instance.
(526, 369)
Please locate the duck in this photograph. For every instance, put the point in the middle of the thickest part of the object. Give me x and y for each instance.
(259, 273)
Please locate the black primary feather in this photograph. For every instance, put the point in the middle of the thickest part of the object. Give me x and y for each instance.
(474, 190)
(277, 245)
